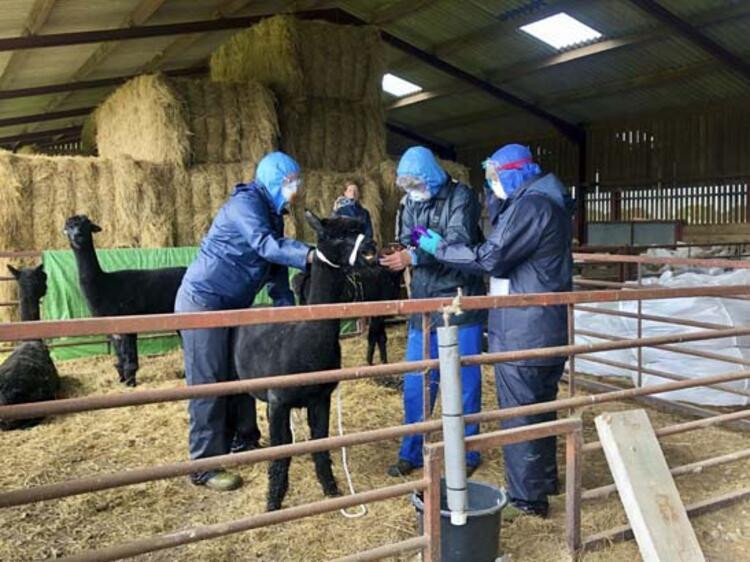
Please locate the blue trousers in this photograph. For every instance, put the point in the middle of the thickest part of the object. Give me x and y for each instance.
(469, 343)
(530, 467)
(217, 423)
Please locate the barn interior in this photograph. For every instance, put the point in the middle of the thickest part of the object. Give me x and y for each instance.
(144, 114)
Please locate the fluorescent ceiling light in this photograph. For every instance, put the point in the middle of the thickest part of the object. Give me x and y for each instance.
(398, 86)
(561, 31)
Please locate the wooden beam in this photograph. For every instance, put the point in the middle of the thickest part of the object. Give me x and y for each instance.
(38, 15)
(691, 33)
(425, 95)
(398, 10)
(647, 489)
(89, 84)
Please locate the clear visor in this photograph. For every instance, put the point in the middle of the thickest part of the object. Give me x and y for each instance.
(490, 172)
(290, 186)
(412, 184)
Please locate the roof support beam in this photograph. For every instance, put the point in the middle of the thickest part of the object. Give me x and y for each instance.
(689, 32)
(39, 135)
(425, 95)
(144, 31)
(400, 9)
(49, 116)
(38, 15)
(89, 84)
(441, 149)
(570, 130)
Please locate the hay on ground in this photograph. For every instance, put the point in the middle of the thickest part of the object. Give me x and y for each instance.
(297, 59)
(186, 121)
(332, 134)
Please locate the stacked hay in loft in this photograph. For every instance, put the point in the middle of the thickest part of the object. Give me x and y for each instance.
(187, 121)
(300, 59)
(327, 78)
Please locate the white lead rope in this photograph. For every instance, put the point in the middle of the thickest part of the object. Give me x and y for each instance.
(362, 508)
(352, 257)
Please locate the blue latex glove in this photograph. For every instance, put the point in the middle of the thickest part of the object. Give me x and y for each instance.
(430, 241)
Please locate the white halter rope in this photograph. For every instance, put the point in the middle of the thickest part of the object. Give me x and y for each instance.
(352, 257)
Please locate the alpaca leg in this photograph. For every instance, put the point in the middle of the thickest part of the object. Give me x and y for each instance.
(383, 346)
(278, 470)
(116, 341)
(370, 349)
(130, 358)
(318, 413)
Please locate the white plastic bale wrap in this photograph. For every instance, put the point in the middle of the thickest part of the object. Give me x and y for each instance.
(728, 312)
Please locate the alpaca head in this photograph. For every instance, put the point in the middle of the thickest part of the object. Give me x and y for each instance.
(341, 241)
(79, 229)
(32, 281)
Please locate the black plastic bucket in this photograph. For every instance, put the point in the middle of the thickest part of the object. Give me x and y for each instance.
(477, 540)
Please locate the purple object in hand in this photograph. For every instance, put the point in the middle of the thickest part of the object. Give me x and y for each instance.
(416, 233)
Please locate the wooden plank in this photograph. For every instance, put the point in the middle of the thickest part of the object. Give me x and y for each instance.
(648, 492)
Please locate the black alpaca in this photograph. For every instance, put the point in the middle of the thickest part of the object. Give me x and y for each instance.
(120, 293)
(375, 284)
(28, 374)
(275, 349)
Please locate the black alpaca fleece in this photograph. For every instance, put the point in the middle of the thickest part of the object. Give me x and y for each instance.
(273, 349)
(120, 293)
(28, 374)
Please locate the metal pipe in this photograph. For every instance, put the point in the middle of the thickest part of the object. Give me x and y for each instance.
(72, 405)
(426, 384)
(680, 350)
(414, 543)
(684, 427)
(698, 466)
(453, 423)
(625, 532)
(654, 318)
(187, 536)
(639, 335)
(270, 315)
(662, 374)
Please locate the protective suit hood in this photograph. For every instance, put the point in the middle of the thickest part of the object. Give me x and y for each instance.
(523, 170)
(419, 162)
(273, 168)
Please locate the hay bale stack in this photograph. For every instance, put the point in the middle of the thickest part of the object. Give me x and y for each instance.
(88, 135)
(186, 121)
(331, 134)
(297, 59)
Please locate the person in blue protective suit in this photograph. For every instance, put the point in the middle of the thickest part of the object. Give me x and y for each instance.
(348, 205)
(528, 251)
(243, 251)
(447, 206)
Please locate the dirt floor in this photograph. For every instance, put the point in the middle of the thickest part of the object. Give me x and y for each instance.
(100, 442)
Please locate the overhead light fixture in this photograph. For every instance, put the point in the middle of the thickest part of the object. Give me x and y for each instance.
(561, 30)
(398, 86)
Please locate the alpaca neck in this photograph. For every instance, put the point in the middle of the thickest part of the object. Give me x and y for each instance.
(88, 263)
(29, 309)
(325, 288)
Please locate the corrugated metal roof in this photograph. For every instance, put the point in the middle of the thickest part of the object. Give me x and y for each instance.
(647, 75)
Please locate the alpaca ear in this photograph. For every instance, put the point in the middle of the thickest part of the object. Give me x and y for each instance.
(39, 268)
(14, 272)
(95, 227)
(313, 220)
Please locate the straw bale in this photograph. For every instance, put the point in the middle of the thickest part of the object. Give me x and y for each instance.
(298, 58)
(186, 121)
(27, 149)
(332, 134)
(88, 135)
(107, 207)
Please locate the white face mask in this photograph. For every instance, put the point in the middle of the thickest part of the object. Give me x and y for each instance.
(419, 196)
(289, 190)
(497, 189)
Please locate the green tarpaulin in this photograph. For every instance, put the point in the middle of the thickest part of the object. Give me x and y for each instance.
(65, 301)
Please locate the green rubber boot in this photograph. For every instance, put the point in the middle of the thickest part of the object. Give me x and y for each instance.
(224, 481)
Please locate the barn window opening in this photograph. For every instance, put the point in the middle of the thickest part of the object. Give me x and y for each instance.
(561, 31)
(399, 87)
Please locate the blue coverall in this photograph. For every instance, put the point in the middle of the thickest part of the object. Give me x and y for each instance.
(243, 250)
(345, 207)
(530, 245)
(453, 211)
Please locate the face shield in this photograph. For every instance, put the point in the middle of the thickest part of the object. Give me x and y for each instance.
(289, 187)
(414, 187)
(492, 174)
